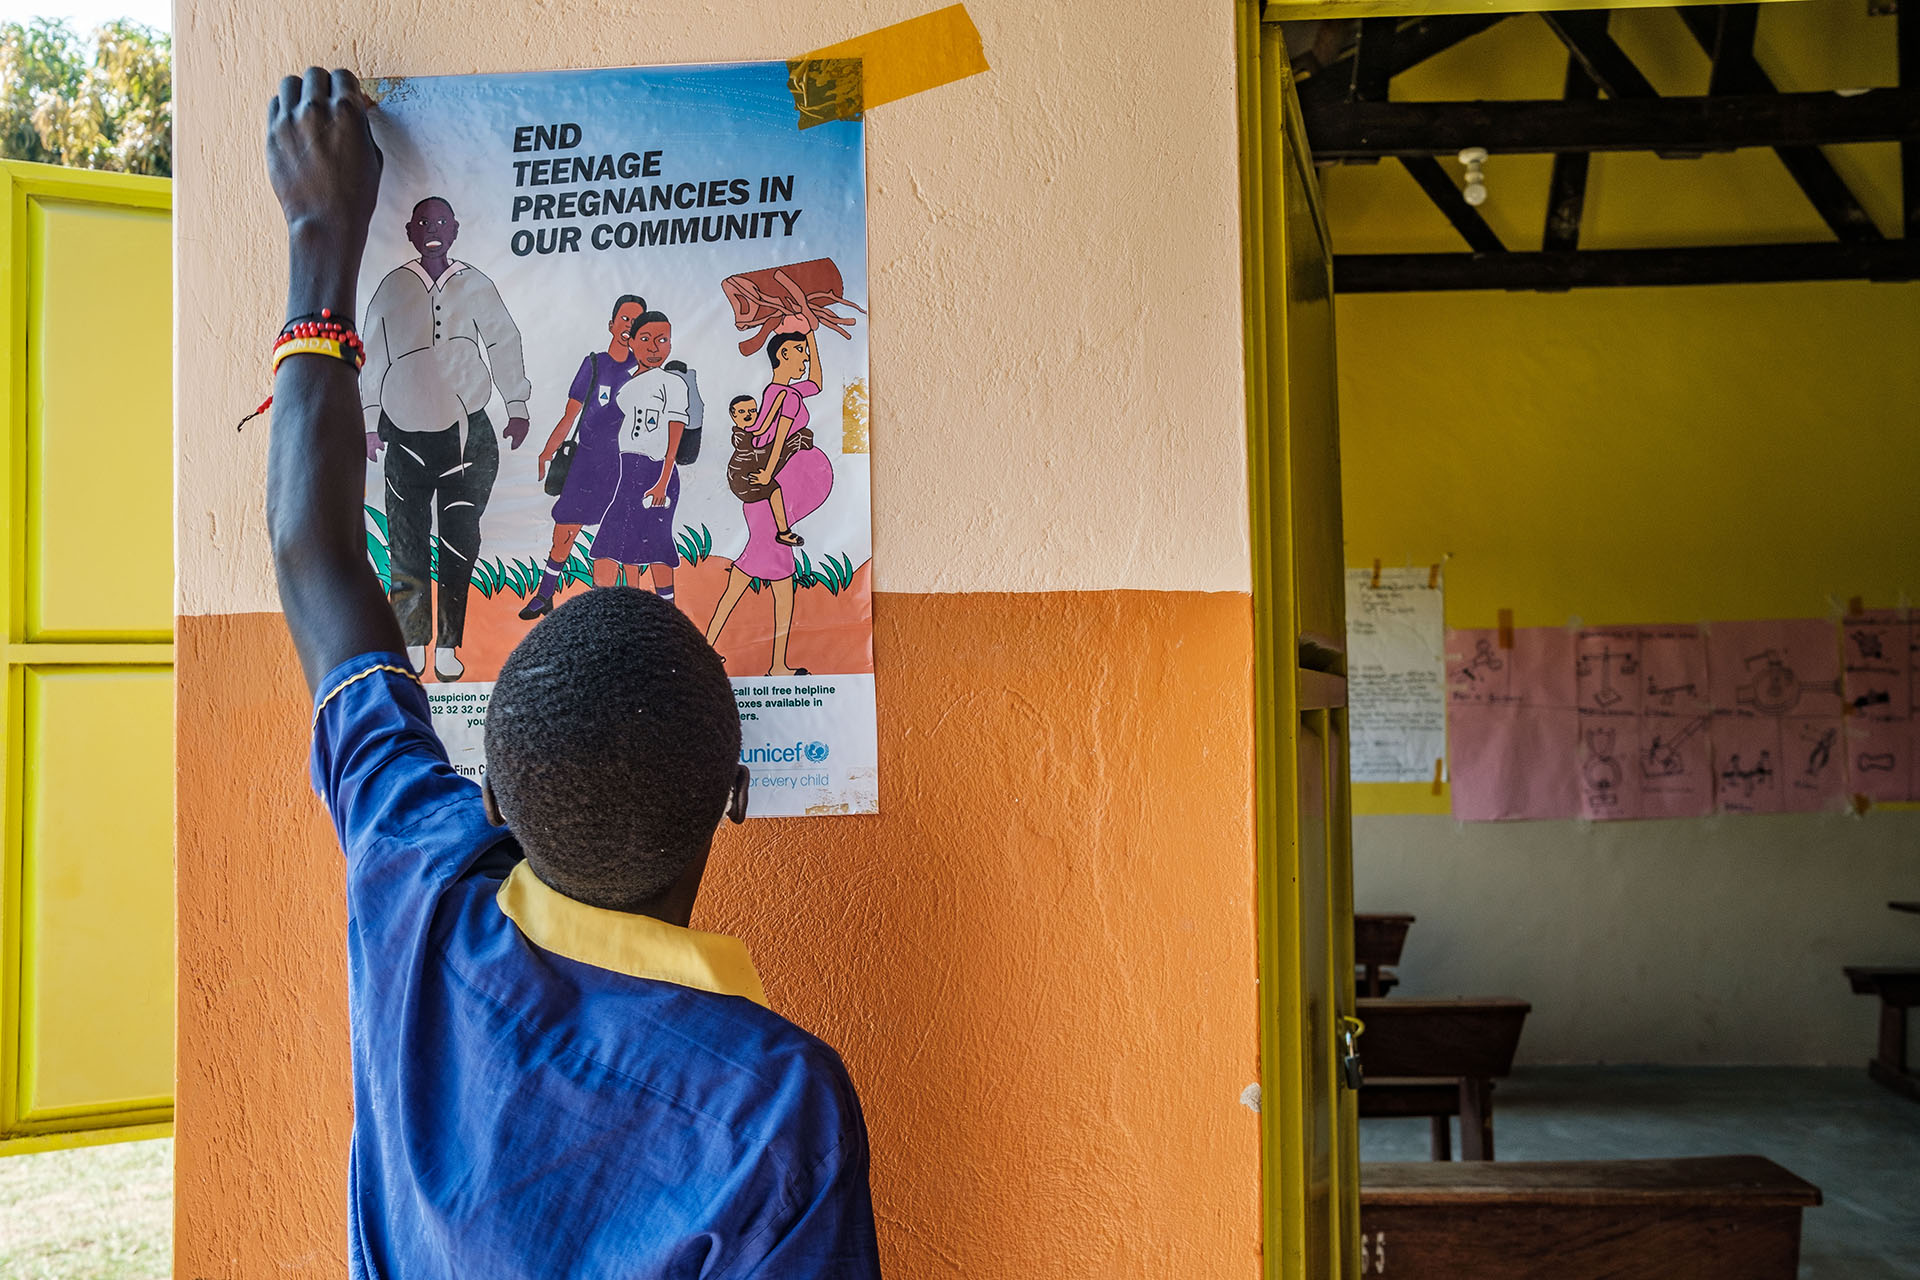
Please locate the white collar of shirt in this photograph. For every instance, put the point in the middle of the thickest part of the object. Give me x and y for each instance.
(454, 267)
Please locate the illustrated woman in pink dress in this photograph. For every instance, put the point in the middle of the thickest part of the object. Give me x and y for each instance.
(804, 479)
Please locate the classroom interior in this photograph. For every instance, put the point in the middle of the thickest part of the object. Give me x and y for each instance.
(1684, 453)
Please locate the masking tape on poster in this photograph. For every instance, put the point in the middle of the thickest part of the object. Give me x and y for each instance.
(843, 80)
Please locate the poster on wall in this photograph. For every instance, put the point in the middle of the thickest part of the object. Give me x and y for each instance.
(1785, 715)
(616, 334)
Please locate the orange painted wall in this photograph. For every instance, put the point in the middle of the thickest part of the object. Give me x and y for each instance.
(1040, 971)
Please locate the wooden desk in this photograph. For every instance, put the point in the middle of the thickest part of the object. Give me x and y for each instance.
(1899, 990)
(1439, 1058)
(1377, 941)
(1719, 1218)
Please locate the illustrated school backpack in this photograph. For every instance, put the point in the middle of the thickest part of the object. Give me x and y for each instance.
(690, 438)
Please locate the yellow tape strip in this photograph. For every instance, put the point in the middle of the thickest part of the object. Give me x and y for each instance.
(843, 80)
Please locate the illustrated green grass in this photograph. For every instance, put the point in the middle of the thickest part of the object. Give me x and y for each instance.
(695, 544)
(522, 576)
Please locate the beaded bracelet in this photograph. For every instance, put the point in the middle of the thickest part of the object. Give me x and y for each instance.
(309, 336)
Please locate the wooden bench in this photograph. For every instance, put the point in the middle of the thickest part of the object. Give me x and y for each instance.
(1899, 991)
(1719, 1218)
(1439, 1059)
(1377, 941)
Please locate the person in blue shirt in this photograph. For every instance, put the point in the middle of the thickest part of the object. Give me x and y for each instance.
(554, 1077)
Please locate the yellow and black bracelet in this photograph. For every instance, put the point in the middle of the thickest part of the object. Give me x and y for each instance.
(320, 335)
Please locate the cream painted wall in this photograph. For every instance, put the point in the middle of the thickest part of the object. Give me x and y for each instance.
(1057, 386)
(1717, 940)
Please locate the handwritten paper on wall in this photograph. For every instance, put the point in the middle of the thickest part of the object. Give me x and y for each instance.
(1396, 674)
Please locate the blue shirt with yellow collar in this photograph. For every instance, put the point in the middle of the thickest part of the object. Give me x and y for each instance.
(544, 1089)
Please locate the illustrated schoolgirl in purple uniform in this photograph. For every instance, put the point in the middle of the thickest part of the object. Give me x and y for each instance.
(595, 473)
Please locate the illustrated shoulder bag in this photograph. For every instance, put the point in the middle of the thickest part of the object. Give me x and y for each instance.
(563, 456)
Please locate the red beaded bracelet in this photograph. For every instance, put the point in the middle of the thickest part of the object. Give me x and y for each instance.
(322, 337)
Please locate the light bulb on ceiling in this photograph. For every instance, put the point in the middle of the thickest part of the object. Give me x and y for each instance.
(1475, 158)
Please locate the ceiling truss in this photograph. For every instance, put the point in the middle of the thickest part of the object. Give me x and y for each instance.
(1607, 104)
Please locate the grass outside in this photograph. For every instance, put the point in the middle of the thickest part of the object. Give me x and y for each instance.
(96, 1213)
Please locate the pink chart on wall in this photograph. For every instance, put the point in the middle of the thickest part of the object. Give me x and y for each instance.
(1675, 721)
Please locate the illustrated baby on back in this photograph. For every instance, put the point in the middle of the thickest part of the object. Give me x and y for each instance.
(766, 435)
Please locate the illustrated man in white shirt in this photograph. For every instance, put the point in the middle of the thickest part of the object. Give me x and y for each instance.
(439, 340)
(637, 531)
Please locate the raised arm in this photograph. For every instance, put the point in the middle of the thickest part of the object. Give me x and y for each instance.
(325, 169)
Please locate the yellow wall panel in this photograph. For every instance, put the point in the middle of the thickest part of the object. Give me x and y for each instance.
(86, 599)
(99, 530)
(96, 984)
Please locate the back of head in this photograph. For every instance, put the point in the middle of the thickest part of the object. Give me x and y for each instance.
(612, 745)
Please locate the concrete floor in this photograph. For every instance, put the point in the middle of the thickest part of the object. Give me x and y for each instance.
(1832, 1126)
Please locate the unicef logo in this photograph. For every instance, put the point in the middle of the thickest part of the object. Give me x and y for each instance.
(816, 752)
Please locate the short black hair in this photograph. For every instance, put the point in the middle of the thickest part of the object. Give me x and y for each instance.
(622, 301)
(738, 400)
(780, 340)
(612, 746)
(651, 317)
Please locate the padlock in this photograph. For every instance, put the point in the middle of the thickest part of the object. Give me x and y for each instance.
(1350, 1029)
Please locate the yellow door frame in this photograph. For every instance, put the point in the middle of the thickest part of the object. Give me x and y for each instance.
(1309, 1188)
(23, 1129)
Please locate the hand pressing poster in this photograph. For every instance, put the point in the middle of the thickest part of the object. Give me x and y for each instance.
(616, 334)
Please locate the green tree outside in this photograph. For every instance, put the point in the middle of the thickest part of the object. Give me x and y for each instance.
(108, 105)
